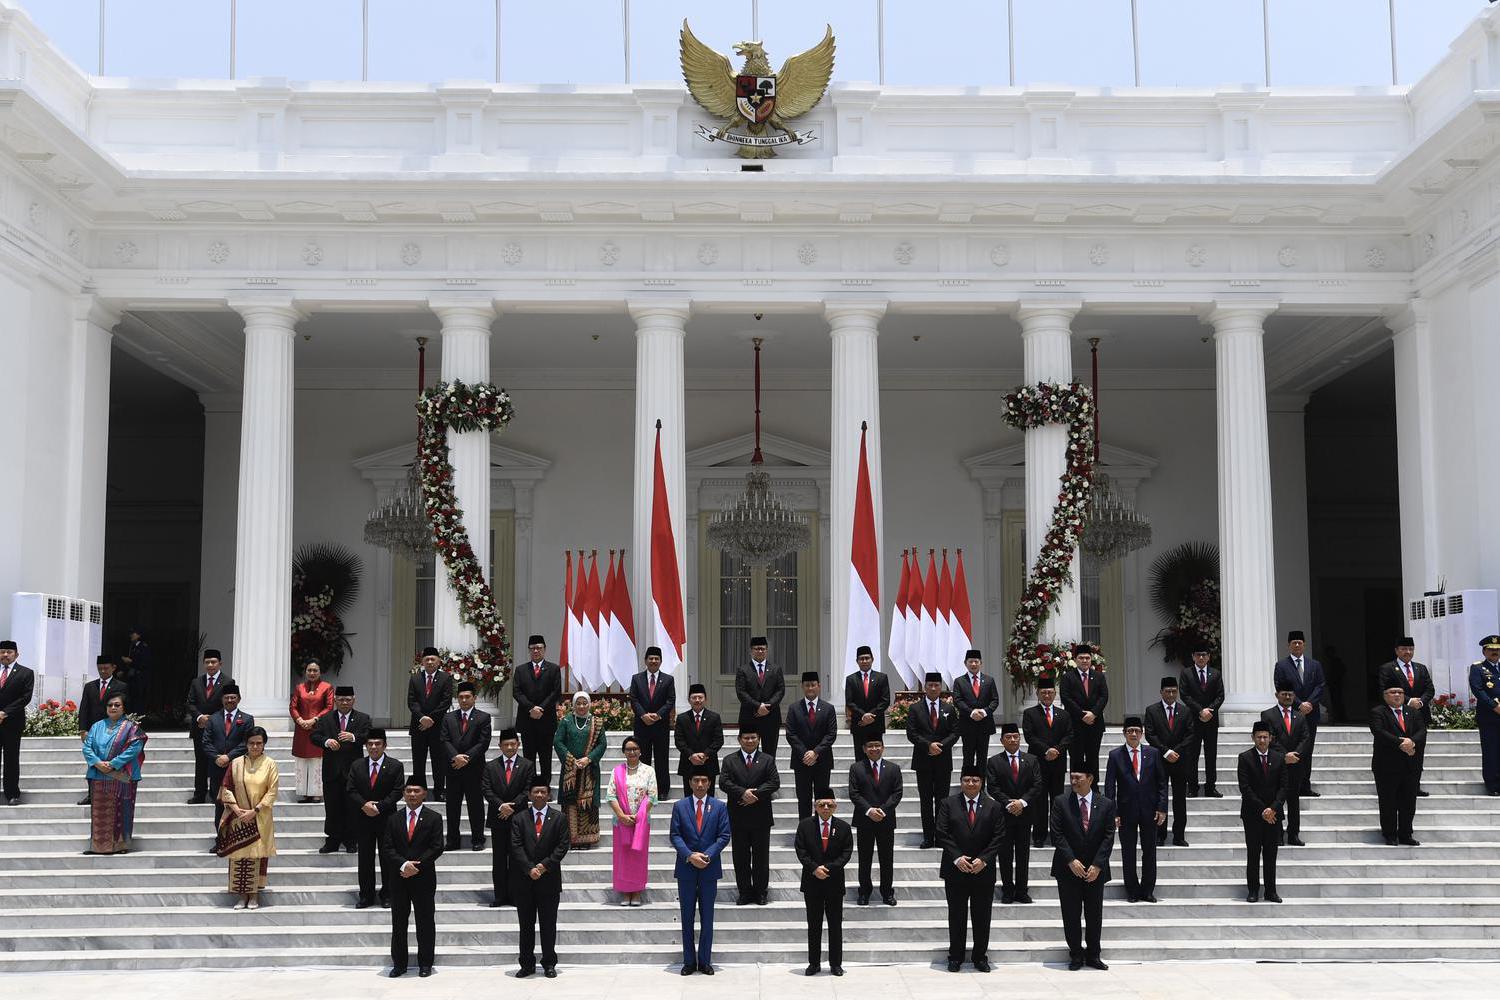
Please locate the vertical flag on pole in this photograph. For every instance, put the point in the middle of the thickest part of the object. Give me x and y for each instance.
(896, 648)
(960, 624)
(567, 622)
(932, 656)
(914, 597)
(668, 625)
(588, 651)
(864, 568)
(944, 632)
(606, 608)
(622, 655)
(577, 670)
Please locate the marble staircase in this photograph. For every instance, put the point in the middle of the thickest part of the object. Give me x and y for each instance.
(1348, 896)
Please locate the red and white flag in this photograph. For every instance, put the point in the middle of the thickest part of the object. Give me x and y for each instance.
(586, 672)
(620, 641)
(896, 648)
(567, 622)
(575, 640)
(932, 656)
(606, 602)
(941, 639)
(668, 626)
(915, 594)
(960, 620)
(864, 569)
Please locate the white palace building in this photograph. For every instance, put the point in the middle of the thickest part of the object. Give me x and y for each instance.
(211, 290)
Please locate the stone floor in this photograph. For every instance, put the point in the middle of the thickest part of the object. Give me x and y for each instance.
(1158, 981)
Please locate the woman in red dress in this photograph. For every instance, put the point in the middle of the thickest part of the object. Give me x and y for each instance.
(310, 699)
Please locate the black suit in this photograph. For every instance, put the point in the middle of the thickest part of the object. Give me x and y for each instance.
(858, 703)
(934, 771)
(1082, 902)
(970, 895)
(337, 826)
(536, 899)
(823, 897)
(1309, 686)
(752, 692)
(1077, 700)
(434, 704)
(1197, 696)
(750, 826)
(498, 790)
(705, 736)
(1137, 801)
(976, 735)
(1298, 741)
(464, 783)
(1263, 785)
(1005, 787)
(203, 700)
(15, 696)
(654, 738)
(537, 687)
(865, 793)
(1397, 774)
(385, 792)
(1174, 732)
(815, 733)
(1420, 686)
(216, 741)
(400, 842)
(1041, 736)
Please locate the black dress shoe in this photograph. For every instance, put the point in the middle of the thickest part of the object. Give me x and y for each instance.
(1023, 897)
(927, 844)
(1074, 964)
(1212, 793)
(328, 848)
(1148, 898)
(212, 848)
(1411, 842)
(351, 848)
(451, 845)
(1179, 842)
(688, 970)
(1038, 844)
(863, 899)
(364, 904)
(812, 970)
(1098, 963)
(196, 801)
(1192, 791)
(888, 898)
(1422, 793)
(953, 966)
(476, 845)
(1007, 897)
(837, 970)
(764, 900)
(385, 900)
(1494, 793)
(425, 971)
(523, 973)
(981, 965)
(397, 972)
(495, 904)
(1131, 897)
(1295, 842)
(1161, 841)
(744, 899)
(1390, 841)
(1271, 897)
(550, 971)
(1253, 896)
(85, 800)
(1312, 794)
(707, 970)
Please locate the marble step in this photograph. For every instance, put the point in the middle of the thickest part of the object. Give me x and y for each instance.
(1139, 947)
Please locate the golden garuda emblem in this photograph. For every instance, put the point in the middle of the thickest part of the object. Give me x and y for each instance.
(755, 103)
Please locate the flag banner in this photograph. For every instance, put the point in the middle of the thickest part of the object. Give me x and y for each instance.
(932, 657)
(915, 595)
(896, 647)
(567, 622)
(941, 637)
(577, 669)
(961, 623)
(864, 569)
(668, 625)
(606, 608)
(621, 644)
(588, 652)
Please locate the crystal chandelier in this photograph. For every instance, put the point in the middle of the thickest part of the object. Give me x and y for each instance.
(399, 522)
(758, 528)
(1113, 529)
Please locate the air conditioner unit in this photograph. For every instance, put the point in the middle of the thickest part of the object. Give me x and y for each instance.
(1419, 627)
(58, 637)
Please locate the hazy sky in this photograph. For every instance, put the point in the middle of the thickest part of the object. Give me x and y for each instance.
(1200, 43)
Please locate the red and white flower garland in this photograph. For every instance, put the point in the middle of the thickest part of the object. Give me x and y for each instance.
(1036, 406)
(462, 407)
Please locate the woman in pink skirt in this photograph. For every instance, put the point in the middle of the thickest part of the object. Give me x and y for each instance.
(631, 792)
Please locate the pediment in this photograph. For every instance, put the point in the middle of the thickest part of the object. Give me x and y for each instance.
(1010, 462)
(390, 464)
(779, 452)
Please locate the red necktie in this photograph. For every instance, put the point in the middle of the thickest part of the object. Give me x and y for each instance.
(867, 684)
(760, 668)
(1401, 720)
(463, 723)
(343, 723)
(1085, 684)
(5, 676)
(374, 772)
(1410, 682)
(971, 812)
(1265, 765)
(228, 724)
(697, 723)
(700, 815)
(933, 712)
(429, 685)
(411, 825)
(1135, 762)
(508, 765)
(651, 685)
(103, 688)
(825, 836)
(974, 681)
(1083, 813)
(536, 671)
(209, 687)
(1286, 716)
(812, 712)
(538, 823)
(1048, 710)
(1015, 769)
(1171, 718)
(875, 768)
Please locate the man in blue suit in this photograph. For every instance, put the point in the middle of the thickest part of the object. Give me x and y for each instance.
(1303, 675)
(1484, 685)
(700, 832)
(1136, 779)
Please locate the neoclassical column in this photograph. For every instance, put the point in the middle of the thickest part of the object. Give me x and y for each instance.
(465, 357)
(660, 391)
(1248, 647)
(258, 660)
(854, 330)
(88, 448)
(1415, 454)
(1046, 339)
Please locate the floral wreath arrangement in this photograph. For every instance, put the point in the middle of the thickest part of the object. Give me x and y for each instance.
(1027, 407)
(461, 407)
(325, 582)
